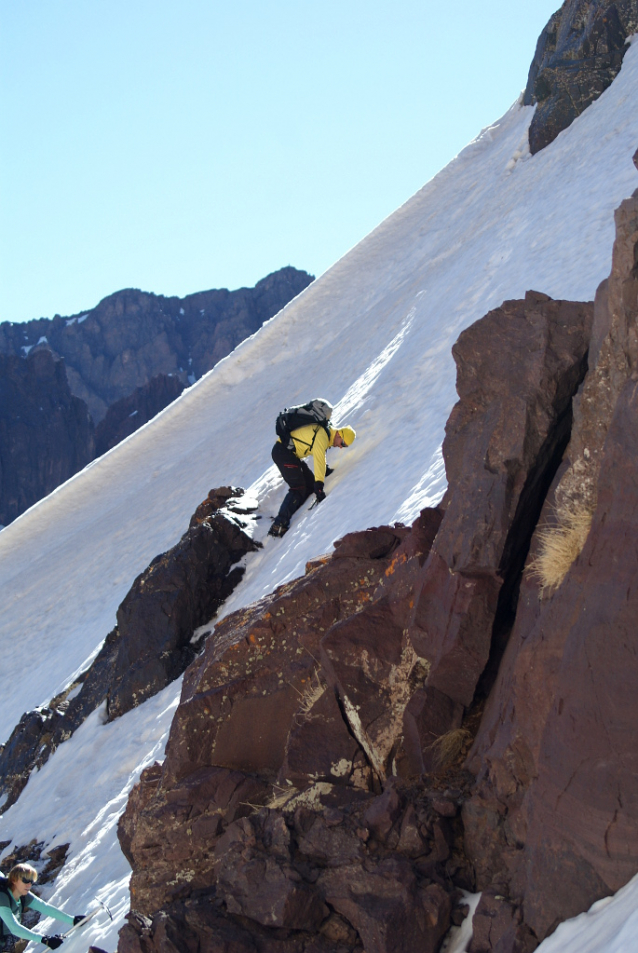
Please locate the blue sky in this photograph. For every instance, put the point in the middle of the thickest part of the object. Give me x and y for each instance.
(179, 147)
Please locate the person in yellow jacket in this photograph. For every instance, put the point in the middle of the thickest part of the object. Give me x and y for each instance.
(312, 440)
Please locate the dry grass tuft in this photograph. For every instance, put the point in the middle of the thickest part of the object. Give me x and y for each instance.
(449, 746)
(280, 797)
(313, 692)
(560, 545)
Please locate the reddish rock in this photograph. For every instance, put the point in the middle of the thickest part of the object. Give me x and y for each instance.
(428, 715)
(582, 827)
(613, 360)
(452, 628)
(220, 497)
(383, 812)
(327, 844)
(264, 886)
(497, 926)
(258, 705)
(237, 708)
(137, 802)
(205, 930)
(190, 818)
(554, 815)
(242, 706)
(518, 368)
(370, 660)
(181, 590)
(384, 903)
(376, 543)
(319, 746)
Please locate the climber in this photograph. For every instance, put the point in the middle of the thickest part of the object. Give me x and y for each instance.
(15, 898)
(311, 439)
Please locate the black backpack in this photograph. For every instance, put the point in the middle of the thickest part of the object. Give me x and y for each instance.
(316, 411)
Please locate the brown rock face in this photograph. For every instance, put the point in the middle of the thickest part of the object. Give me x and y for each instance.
(294, 794)
(46, 434)
(555, 813)
(518, 368)
(151, 645)
(303, 795)
(583, 807)
(342, 856)
(579, 54)
(181, 590)
(130, 413)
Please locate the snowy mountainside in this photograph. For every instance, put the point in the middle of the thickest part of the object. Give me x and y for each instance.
(373, 334)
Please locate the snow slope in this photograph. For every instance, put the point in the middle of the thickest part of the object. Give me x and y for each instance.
(373, 334)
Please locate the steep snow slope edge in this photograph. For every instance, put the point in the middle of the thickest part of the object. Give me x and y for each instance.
(491, 225)
(377, 330)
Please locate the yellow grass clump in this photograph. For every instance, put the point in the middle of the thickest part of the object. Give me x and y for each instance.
(560, 545)
(449, 746)
(313, 692)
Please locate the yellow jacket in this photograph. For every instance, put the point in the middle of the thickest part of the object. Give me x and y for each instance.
(313, 439)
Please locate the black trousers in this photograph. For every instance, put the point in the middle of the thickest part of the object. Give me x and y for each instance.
(299, 478)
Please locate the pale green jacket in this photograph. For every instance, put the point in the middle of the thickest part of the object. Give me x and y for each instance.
(11, 915)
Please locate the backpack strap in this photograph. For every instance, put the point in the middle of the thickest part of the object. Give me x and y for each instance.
(323, 426)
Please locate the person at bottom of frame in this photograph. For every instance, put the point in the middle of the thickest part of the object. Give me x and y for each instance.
(15, 898)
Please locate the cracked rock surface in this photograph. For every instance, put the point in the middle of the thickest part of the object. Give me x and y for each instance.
(578, 55)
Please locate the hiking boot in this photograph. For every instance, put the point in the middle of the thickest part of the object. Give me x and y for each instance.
(278, 528)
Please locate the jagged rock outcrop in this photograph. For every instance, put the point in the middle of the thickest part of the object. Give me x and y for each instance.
(518, 368)
(130, 413)
(579, 54)
(343, 857)
(46, 434)
(132, 336)
(554, 819)
(181, 590)
(152, 643)
(304, 796)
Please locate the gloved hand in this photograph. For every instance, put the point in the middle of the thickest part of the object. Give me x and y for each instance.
(329, 470)
(78, 918)
(53, 942)
(318, 488)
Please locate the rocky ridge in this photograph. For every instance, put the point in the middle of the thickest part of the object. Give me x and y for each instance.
(555, 763)
(132, 336)
(151, 644)
(578, 56)
(46, 434)
(130, 413)
(116, 367)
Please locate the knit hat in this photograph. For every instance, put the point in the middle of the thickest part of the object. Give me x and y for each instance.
(347, 434)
